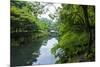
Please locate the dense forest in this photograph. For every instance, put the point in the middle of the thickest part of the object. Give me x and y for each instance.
(76, 26)
(24, 21)
(72, 25)
(26, 28)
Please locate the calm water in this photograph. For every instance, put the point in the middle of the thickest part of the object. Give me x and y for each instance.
(46, 57)
(34, 52)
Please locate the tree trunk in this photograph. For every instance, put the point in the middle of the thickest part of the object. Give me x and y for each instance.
(85, 11)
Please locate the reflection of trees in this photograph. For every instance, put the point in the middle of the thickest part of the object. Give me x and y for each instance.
(26, 29)
(25, 55)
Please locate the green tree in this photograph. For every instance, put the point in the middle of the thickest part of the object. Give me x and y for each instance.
(76, 33)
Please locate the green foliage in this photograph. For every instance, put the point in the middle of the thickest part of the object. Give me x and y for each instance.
(74, 36)
(25, 21)
(42, 25)
(76, 29)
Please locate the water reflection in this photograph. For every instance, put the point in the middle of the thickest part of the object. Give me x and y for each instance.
(29, 51)
(46, 57)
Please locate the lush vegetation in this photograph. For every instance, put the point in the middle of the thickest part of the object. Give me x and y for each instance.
(76, 26)
(24, 21)
(27, 32)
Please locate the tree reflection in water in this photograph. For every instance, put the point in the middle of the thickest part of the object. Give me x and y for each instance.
(25, 55)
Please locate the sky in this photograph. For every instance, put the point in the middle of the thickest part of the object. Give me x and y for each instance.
(51, 10)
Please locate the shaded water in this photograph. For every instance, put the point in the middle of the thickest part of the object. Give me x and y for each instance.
(35, 52)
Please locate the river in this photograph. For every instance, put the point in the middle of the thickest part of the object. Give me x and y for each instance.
(46, 57)
(38, 52)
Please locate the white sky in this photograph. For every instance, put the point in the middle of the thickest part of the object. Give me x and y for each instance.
(51, 10)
